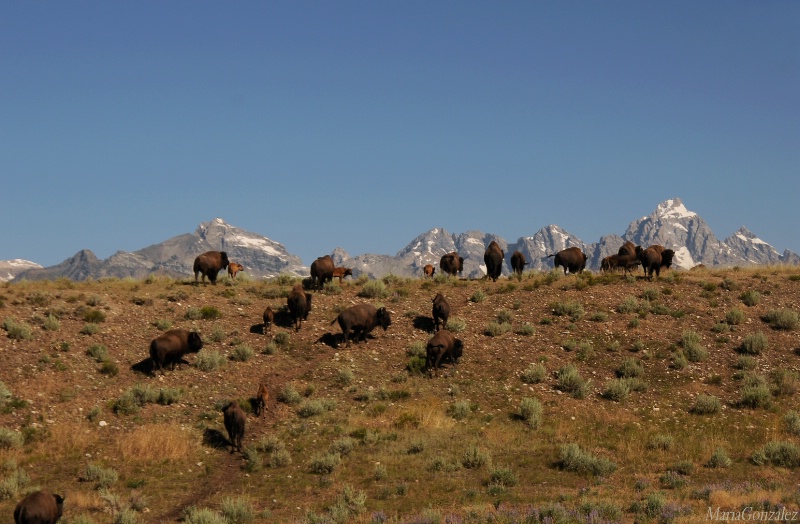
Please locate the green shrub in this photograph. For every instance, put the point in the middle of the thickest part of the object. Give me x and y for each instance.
(325, 464)
(781, 454)
(162, 324)
(650, 294)
(374, 289)
(617, 389)
(193, 313)
(785, 382)
(459, 410)
(692, 348)
(478, 296)
(629, 305)
(746, 363)
(572, 458)
(630, 367)
(525, 330)
(102, 477)
(570, 381)
(192, 515)
(719, 459)
(750, 297)
(502, 476)
(289, 395)
(474, 457)
(456, 324)
(530, 411)
(599, 316)
(534, 374)
(17, 330)
(753, 344)
(661, 442)
(735, 316)
(755, 396)
(791, 423)
(344, 377)
(237, 510)
(242, 353)
(311, 408)
(98, 352)
(5, 394)
(94, 316)
(109, 368)
(51, 323)
(168, 396)
(90, 329)
(209, 360)
(785, 319)
(282, 338)
(706, 405)
(495, 329)
(571, 309)
(10, 439)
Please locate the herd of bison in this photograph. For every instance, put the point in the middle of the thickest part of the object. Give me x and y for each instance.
(357, 321)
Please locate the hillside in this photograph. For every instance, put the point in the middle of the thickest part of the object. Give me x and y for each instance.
(357, 437)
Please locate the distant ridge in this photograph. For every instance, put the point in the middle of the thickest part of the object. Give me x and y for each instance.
(671, 225)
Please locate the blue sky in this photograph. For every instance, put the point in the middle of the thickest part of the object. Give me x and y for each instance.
(363, 124)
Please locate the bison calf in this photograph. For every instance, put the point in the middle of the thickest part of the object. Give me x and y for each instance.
(234, 268)
(269, 318)
(360, 320)
(441, 311)
(233, 417)
(442, 345)
(262, 396)
(428, 271)
(341, 272)
(169, 347)
(39, 508)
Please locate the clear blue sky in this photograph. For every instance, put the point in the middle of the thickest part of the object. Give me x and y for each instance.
(363, 124)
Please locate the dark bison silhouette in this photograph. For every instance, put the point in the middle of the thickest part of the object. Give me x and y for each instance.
(262, 396)
(571, 259)
(451, 263)
(493, 258)
(209, 264)
(234, 420)
(518, 262)
(441, 311)
(361, 319)
(442, 345)
(321, 271)
(653, 260)
(171, 346)
(299, 303)
(269, 319)
(39, 508)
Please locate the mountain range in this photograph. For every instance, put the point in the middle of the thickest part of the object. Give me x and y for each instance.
(671, 225)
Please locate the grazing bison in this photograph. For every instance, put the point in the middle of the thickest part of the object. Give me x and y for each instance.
(653, 260)
(518, 262)
(628, 248)
(234, 268)
(571, 259)
(209, 264)
(441, 311)
(361, 319)
(170, 346)
(262, 396)
(299, 305)
(442, 345)
(269, 318)
(626, 262)
(428, 270)
(321, 271)
(451, 263)
(39, 508)
(341, 272)
(493, 258)
(233, 416)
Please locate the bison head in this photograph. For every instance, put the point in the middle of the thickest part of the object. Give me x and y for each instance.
(384, 320)
(223, 258)
(458, 349)
(195, 342)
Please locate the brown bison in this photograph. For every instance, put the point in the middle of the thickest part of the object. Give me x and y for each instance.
(571, 259)
(262, 396)
(361, 319)
(428, 270)
(451, 263)
(269, 319)
(299, 303)
(209, 264)
(234, 419)
(234, 268)
(341, 272)
(39, 508)
(442, 345)
(653, 260)
(171, 346)
(518, 262)
(321, 271)
(441, 311)
(493, 258)
(626, 262)
(629, 249)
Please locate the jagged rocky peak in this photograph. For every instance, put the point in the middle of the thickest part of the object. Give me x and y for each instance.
(428, 247)
(11, 268)
(672, 208)
(752, 249)
(339, 255)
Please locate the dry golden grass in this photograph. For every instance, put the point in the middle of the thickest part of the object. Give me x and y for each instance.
(158, 442)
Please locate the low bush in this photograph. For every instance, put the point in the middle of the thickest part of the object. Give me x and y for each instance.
(791, 422)
(719, 459)
(571, 309)
(784, 319)
(735, 316)
(753, 344)
(572, 458)
(630, 367)
(102, 477)
(570, 381)
(781, 454)
(17, 330)
(750, 297)
(706, 405)
(474, 457)
(374, 289)
(242, 353)
(530, 411)
(534, 374)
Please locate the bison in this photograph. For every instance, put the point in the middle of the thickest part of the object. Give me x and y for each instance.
(493, 258)
(341, 272)
(234, 419)
(518, 262)
(451, 263)
(39, 507)
(628, 248)
(169, 347)
(441, 311)
(442, 345)
(234, 268)
(321, 271)
(209, 264)
(428, 270)
(626, 262)
(299, 303)
(262, 396)
(653, 260)
(361, 319)
(571, 259)
(269, 319)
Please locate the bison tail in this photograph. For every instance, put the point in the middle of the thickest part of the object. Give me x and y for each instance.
(549, 256)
